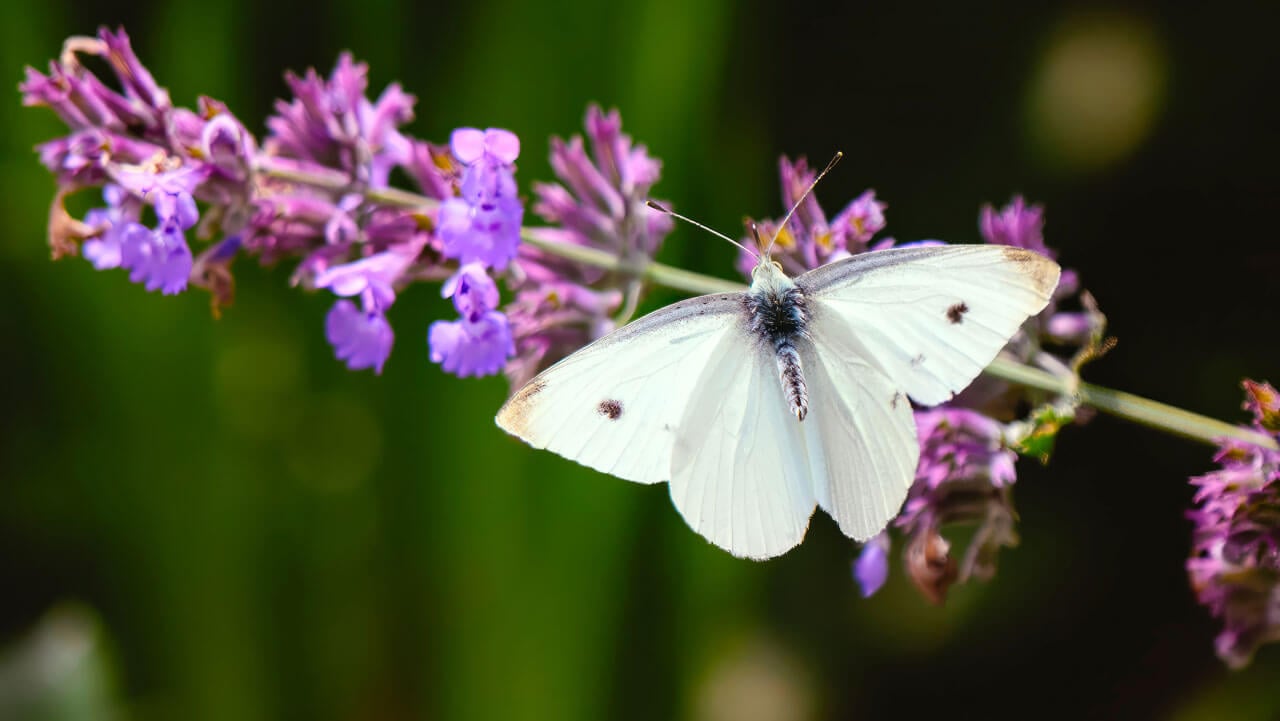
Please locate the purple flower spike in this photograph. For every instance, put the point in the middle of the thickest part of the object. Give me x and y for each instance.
(964, 476)
(1235, 562)
(360, 338)
(605, 186)
(872, 567)
(809, 240)
(1015, 224)
(860, 220)
(599, 202)
(331, 124)
(468, 347)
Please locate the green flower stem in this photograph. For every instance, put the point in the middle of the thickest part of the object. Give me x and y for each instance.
(1160, 416)
(1118, 403)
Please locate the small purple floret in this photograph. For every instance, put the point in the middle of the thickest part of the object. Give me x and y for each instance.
(159, 259)
(484, 223)
(362, 339)
(872, 567)
(472, 348)
(472, 290)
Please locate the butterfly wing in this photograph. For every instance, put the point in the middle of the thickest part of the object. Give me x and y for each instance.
(921, 320)
(615, 404)
(930, 318)
(740, 472)
(861, 439)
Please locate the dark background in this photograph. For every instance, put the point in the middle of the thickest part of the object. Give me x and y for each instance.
(208, 519)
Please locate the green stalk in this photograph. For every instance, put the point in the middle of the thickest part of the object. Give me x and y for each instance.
(1134, 408)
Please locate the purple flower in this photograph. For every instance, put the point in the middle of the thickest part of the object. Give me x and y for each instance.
(1234, 566)
(473, 291)
(159, 259)
(964, 476)
(604, 185)
(111, 223)
(872, 567)
(480, 342)
(1015, 224)
(550, 320)
(599, 203)
(373, 278)
(331, 124)
(170, 192)
(860, 220)
(484, 223)
(472, 347)
(361, 338)
(809, 240)
(81, 100)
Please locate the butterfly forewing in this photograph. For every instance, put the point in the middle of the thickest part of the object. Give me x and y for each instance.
(930, 318)
(615, 404)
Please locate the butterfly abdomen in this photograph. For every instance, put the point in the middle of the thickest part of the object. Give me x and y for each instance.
(779, 320)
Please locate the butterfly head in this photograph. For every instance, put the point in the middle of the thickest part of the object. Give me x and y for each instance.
(768, 274)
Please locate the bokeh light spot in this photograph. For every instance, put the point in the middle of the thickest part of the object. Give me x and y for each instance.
(257, 382)
(1097, 92)
(335, 444)
(755, 679)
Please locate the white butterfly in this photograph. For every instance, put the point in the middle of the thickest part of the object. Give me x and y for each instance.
(757, 406)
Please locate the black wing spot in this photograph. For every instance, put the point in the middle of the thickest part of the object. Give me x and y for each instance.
(955, 313)
(918, 360)
(610, 408)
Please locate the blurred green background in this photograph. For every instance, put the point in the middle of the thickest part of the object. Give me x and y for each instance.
(208, 519)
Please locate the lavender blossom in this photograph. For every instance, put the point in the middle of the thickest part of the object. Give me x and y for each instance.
(599, 203)
(303, 195)
(809, 240)
(1234, 566)
(964, 476)
(331, 124)
(483, 224)
(361, 338)
(480, 342)
(110, 224)
(472, 346)
(871, 569)
(1015, 224)
(365, 341)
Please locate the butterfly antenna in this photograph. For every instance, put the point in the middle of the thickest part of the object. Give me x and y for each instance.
(663, 209)
(835, 159)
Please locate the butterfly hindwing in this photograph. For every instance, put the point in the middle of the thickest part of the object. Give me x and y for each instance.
(860, 435)
(740, 473)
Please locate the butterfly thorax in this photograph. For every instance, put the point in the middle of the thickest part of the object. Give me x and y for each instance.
(775, 308)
